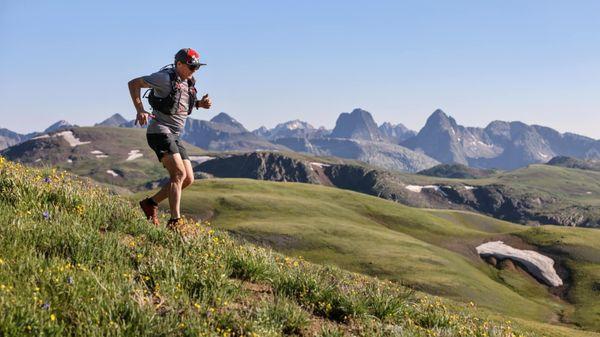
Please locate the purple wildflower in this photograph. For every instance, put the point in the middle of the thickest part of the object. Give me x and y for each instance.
(70, 280)
(47, 180)
(46, 215)
(46, 306)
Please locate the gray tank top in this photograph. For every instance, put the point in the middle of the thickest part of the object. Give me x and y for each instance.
(173, 123)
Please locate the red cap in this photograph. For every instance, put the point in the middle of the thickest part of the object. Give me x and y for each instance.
(189, 57)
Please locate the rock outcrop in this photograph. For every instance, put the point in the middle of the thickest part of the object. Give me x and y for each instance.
(456, 171)
(261, 166)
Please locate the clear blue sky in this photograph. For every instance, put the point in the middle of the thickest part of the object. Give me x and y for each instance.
(273, 61)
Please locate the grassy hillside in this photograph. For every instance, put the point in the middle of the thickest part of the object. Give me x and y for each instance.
(561, 189)
(109, 148)
(563, 195)
(75, 260)
(538, 194)
(429, 250)
(568, 185)
(571, 185)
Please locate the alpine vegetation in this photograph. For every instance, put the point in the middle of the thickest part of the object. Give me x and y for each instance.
(76, 260)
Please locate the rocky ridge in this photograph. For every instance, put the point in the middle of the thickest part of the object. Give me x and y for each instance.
(497, 200)
(502, 145)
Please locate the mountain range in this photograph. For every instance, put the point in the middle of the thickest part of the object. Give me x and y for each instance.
(224, 133)
(503, 145)
(9, 138)
(499, 145)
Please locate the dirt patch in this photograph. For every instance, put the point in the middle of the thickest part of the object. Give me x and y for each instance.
(319, 324)
(257, 287)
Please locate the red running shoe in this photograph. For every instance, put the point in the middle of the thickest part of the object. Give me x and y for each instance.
(150, 209)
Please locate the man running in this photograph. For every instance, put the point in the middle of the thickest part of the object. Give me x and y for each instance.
(172, 97)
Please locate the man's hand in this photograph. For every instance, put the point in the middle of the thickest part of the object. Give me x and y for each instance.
(204, 102)
(142, 118)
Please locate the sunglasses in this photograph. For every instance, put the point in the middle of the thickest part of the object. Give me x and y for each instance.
(192, 67)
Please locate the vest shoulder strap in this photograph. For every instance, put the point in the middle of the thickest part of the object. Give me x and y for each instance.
(172, 75)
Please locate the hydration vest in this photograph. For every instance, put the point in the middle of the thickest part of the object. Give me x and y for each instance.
(165, 104)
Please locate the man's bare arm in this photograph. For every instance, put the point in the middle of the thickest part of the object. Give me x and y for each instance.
(135, 86)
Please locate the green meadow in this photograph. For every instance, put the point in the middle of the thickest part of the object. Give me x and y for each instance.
(78, 260)
(427, 250)
(564, 187)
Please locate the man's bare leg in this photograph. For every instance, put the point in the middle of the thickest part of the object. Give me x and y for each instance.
(172, 190)
(189, 179)
(189, 173)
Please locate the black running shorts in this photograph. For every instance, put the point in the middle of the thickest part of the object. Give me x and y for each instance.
(167, 143)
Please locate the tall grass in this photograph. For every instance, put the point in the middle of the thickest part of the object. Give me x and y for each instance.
(75, 260)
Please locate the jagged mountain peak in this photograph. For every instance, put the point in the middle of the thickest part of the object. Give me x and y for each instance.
(114, 120)
(396, 133)
(439, 112)
(290, 129)
(262, 132)
(357, 114)
(61, 124)
(294, 125)
(224, 118)
(498, 123)
(117, 115)
(361, 112)
(441, 138)
(388, 125)
(358, 124)
(439, 119)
